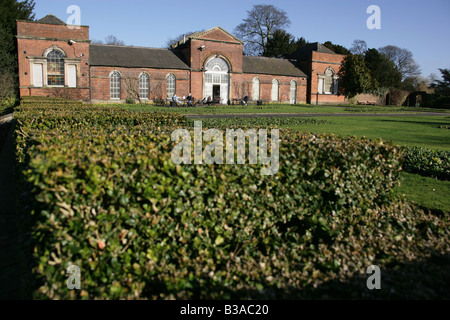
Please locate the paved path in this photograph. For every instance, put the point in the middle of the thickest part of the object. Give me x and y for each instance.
(9, 246)
(301, 115)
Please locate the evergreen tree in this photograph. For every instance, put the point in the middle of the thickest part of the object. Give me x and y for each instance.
(282, 44)
(10, 11)
(336, 48)
(382, 69)
(356, 77)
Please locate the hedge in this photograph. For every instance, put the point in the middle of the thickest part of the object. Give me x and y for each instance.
(98, 189)
(427, 162)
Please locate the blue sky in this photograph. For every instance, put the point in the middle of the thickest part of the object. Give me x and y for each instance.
(418, 25)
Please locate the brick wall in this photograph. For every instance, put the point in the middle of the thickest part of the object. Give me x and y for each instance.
(318, 64)
(100, 82)
(35, 39)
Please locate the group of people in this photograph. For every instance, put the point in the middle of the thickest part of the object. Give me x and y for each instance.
(189, 100)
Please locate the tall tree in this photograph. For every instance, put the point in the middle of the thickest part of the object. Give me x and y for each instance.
(282, 44)
(336, 48)
(356, 76)
(10, 11)
(443, 86)
(403, 59)
(382, 69)
(359, 47)
(112, 40)
(261, 23)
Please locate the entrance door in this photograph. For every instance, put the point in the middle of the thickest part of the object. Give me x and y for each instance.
(216, 92)
(217, 79)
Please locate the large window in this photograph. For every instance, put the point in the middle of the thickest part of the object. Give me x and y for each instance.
(55, 68)
(115, 85)
(275, 90)
(144, 86)
(256, 83)
(171, 86)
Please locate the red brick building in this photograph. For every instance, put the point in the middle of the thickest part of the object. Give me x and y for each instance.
(56, 59)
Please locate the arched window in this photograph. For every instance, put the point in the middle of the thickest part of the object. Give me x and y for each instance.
(55, 68)
(275, 89)
(293, 92)
(256, 84)
(115, 85)
(171, 86)
(144, 86)
(328, 86)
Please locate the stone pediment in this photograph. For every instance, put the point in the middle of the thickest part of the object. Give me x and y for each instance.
(215, 34)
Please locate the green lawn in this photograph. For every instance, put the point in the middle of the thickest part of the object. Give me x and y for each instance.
(427, 192)
(279, 108)
(402, 130)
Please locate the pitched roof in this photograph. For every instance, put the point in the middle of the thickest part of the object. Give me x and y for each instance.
(203, 36)
(272, 66)
(134, 57)
(51, 19)
(304, 52)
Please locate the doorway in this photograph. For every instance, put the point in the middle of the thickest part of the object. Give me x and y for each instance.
(216, 92)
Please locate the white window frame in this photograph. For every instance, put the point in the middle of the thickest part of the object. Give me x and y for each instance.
(144, 86)
(111, 88)
(171, 88)
(47, 52)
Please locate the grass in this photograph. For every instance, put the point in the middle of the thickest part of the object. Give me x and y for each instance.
(428, 193)
(401, 130)
(279, 108)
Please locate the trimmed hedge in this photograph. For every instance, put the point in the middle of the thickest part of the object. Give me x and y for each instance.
(98, 189)
(265, 122)
(427, 162)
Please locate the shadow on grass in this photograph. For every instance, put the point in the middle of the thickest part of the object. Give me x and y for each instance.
(429, 123)
(425, 279)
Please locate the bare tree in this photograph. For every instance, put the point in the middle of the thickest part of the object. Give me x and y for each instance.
(241, 89)
(111, 40)
(156, 88)
(403, 59)
(259, 26)
(131, 85)
(172, 41)
(359, 47)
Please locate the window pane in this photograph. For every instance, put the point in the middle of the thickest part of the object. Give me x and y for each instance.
(115, 85)
(171, 85)
(55, 68)
(144, 83)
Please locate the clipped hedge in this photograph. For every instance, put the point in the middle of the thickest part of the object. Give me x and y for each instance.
(427, 162)
(265, 122)
(102, 193)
